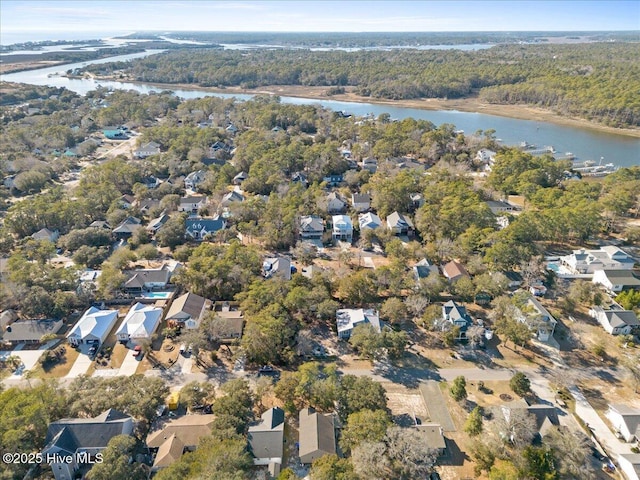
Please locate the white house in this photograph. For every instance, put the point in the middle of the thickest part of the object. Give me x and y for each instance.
(456, 315)
(616, 321)
(347, 319)
(485, 156)
(46, 234)
(499, 206)
(342, 228)
(625, 421)
(417, 200)
(140, 323)
(194, 179)
(148, 149)
(239, 178)
(233, 196)
(147, 279)
(361, 201)
(335, 204)
(316, 434)
(616, 280)
(588, 261)
(277, 266)
(369, 221)
(192, 204)
(423, 269)
(538, 319)
(630, 465)
(157, 223)
(311, 227)
(93, 327)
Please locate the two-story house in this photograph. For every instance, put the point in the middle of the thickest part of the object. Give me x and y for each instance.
(194, 179)
(456, 315)
(342, 229)
(311, 227)
(81, 439)
(361, 202)
(347, 319)
(192, 204)
(197, 228)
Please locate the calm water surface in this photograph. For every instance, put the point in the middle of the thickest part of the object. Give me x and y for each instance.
(584, 143)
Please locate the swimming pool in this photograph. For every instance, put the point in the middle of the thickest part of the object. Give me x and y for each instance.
(553, 266)
(157, 295)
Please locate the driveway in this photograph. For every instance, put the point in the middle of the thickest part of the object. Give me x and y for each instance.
(82, 363)
(187, 364)
(600, 430)
(29, 358)
(436, 404)
(129, 364)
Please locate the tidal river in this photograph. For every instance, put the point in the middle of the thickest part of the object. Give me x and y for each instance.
(584, 143)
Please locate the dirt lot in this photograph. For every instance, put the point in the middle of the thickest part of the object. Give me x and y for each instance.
(113, 148)
(405, 401)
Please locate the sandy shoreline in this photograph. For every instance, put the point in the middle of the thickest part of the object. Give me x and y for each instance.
(473, 105)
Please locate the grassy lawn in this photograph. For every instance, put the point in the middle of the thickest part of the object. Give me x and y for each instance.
(117, 355)
(60, 369)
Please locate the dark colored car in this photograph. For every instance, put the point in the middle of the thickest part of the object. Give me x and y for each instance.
(92, 351)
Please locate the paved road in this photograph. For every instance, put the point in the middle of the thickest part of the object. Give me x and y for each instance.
(476, 374)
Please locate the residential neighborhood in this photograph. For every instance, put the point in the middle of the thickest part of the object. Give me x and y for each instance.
(252, 282)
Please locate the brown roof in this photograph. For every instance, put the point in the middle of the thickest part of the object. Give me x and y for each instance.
(229, 326)
(188, 429)
(189, 304)
(454, 270)
(317, 435)
(169, 452)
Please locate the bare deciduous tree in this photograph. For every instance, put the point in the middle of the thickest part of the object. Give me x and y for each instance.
(402, 454)
(571, 452)
(516, 426)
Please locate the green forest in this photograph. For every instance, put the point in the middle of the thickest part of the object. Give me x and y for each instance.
(596, 81)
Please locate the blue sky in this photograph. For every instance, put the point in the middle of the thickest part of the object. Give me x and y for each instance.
(72, 18)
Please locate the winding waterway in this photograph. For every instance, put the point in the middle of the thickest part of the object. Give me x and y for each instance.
(584, 143)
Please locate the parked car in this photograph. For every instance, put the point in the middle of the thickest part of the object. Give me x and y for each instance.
(268, 370)
(137, 351)
(93, 350)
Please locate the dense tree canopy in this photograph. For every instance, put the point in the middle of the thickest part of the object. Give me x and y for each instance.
(593, 80)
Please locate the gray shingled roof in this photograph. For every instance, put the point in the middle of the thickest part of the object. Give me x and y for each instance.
(266, 438)
(70, 434)
(30, 330)
(317, 435)
(622, 318)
